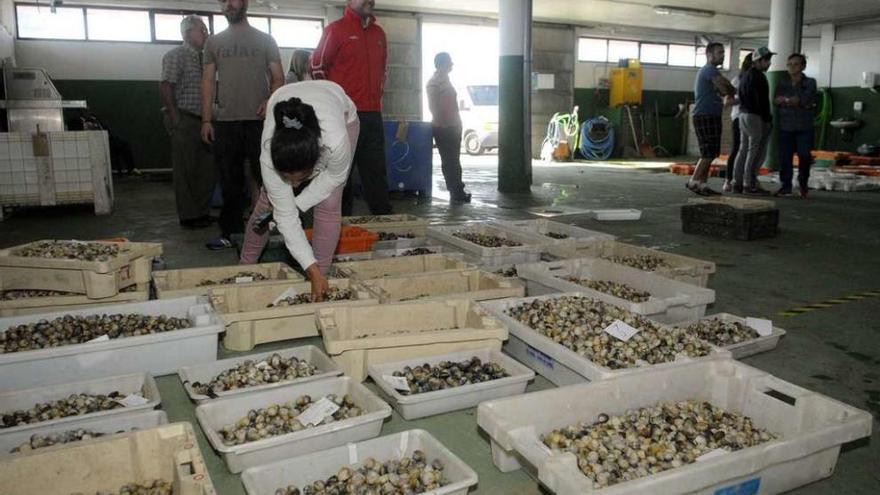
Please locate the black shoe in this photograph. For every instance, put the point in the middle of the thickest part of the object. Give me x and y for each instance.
(197, 223)
(461, 198)
(782, 192)
(218, 244)
(756, 191)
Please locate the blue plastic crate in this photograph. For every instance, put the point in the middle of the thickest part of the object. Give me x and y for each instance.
(409, 159)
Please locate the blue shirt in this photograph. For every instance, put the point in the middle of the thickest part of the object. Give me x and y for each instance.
(802, 116)
(707, 100)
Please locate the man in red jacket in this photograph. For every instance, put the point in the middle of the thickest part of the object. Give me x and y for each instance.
(353, 53)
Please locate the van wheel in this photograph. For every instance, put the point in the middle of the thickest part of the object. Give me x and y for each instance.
(472, 144)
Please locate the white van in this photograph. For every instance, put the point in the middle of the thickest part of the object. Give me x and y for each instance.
(478, 105)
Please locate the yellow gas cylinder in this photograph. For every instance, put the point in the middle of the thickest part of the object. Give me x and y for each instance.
(626, 86)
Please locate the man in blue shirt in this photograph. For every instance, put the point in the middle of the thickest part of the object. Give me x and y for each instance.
(796, 99)
(709, 87)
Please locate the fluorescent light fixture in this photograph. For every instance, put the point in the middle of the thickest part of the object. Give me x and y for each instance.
(673, 10)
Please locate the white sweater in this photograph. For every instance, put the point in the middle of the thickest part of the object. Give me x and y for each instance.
(335, 112)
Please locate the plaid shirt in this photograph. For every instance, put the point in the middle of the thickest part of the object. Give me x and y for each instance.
(182, 67)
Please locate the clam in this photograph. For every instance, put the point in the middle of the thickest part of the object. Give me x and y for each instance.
(254, 276)
(723, 333)
(615, 289)
(416, 252)
(486, 240)
(646, 262)
(73, 250)
(391, 236)
(447, 374)
(73, 405)
(248, 373)
(331, 294)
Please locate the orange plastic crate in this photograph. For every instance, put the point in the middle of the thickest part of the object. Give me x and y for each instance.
(352, 239)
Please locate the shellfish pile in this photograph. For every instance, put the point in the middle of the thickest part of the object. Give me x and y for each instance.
(38, 441)
(556, 235)
(155, 487)
(246, 374)
(723, 333)
(254, 276)
(74, 405)
(71, 250)
(68, 329)
(578, 323)
(448, 374)
(508, 272)
(486, 240)
(370, 219)
(280, 419)
(615, 289)
(391, 236)
(646, 441)
(416, 252)
(332, 294)
(405, 476)
(11, 295)
(645, 262)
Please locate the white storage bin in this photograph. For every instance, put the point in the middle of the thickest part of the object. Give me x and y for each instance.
(159, 354)
(204, 373)
(529, 250)
(671, 301)
(186, 282)
(107, 425)
(476, 285)
(812, 429)
(307, 469)
(23, 399)
(452, 399)
(577, 236)
(402, 243)
(406, 265)
(554, 360)
(750, 347)
(214, 415)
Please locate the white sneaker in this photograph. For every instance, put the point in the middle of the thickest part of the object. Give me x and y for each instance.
(727, 187)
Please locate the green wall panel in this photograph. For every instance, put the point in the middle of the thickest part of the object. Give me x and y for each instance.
(842, 107)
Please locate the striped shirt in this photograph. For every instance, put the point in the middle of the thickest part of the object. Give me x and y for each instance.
(182, 67)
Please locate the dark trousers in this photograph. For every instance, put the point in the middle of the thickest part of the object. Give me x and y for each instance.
(369, 158)
(193, 169)
(731, 158)
(791, 142)
(235, 142)
(448, 141)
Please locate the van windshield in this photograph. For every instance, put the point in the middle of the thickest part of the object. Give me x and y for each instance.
(484, 95)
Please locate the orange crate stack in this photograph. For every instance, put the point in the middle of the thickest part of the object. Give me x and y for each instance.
(352, 239)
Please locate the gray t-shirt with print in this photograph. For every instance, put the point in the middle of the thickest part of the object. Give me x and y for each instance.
(242, 58)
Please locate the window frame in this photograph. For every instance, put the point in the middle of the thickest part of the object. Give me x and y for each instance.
(696, 64)
(577, 50)
(85, 10)
(18, 36)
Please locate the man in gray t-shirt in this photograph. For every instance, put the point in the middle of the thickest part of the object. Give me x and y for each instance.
(242, 69)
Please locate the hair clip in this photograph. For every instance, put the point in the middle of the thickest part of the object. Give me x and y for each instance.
(291, 123)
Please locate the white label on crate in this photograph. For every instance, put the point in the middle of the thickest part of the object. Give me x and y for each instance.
(133, 400)
(398, 382)
(762, 326)
(621, 330)
(712, 454)
(102, 338)
(352, 454)
(317, 412)
(243, 280)
(289, 293)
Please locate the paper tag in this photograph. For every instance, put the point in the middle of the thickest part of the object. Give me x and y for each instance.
(621, 330)
(711, 455)
(262, 364)
(133, 400)
(352, 454)
(289, 293)
(317, 412)
(762, 326)
(243, 280)
(102, 338)
(398, 382)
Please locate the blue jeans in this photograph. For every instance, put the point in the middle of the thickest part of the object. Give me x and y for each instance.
(791, 142)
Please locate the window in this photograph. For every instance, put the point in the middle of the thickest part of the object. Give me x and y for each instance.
(653, 53)
(118, 25)
(592, 50)
(168, 26)
(261, 23)
(682, 55)
(700, 59)
(297, 33)
(622, 49)
(39, 22)
(742, 56)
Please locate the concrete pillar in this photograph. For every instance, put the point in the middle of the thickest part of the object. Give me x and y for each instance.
(514, 97)
(826, 51)
(786, 26)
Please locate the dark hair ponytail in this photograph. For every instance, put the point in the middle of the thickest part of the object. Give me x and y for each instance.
(296, 144)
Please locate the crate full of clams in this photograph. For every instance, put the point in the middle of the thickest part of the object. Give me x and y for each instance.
(400, 265)
(154, 336)
(490, 244)
(675, 266)
(256, 372)
(97, 269)
(381, 465)
(661, 299)
(716, 426)
(558, 232)
(258, 428)
(449, 382)
(735, 334)
(199, 281)
(379, 222)
(164, 460)
(359, 336)
(476, 285)
(17, 302)
(256, 315)
(571, 338)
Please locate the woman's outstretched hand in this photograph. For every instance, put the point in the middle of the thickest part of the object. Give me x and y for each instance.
(319, 283)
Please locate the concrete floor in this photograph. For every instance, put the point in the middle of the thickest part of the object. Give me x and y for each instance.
(827, 248)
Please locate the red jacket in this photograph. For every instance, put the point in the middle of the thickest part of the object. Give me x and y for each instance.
(355, 58)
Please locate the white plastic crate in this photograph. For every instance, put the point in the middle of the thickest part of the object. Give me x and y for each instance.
(180, 283)
(304, 470)
(215, 415)
(404, 265)
(577, 236)
(442, 401)
(204, 373)
(107, 425)
(476, 285)
(159, 354)
(681, 268)
(530, 249)
(812, 427)
(750, 347)
(23, 399)
(671, 301)
(551, 358)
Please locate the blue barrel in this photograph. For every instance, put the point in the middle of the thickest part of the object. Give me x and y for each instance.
(408, 156)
